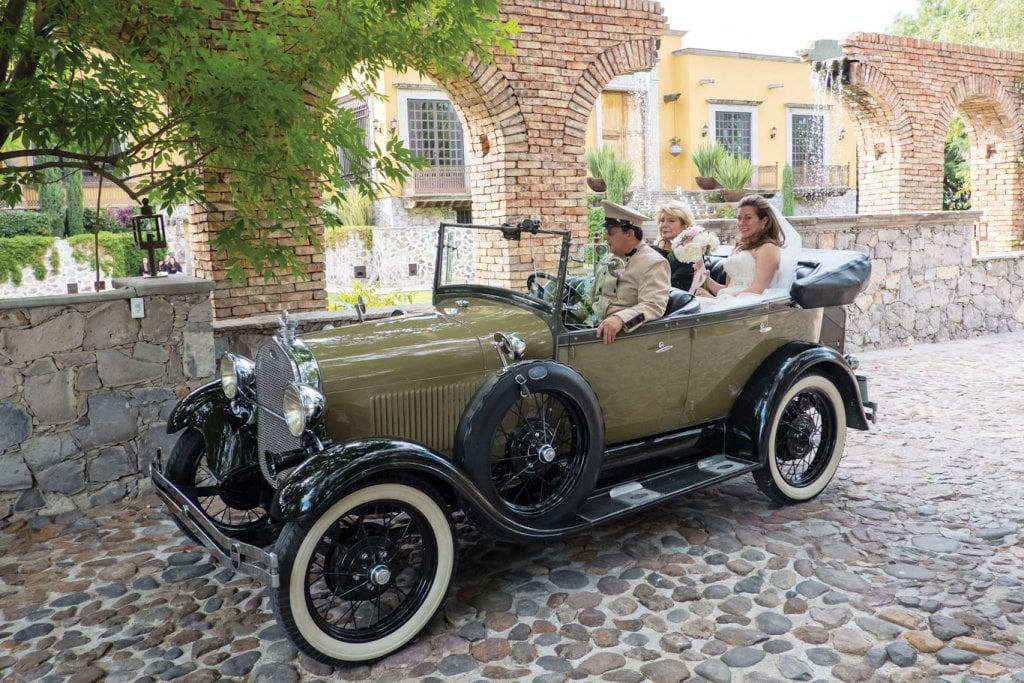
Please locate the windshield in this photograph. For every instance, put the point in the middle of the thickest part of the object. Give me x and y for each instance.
(525, 262)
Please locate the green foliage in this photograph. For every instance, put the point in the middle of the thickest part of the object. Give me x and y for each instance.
(352, 207)
(372, 297)
(172, 90)
(990, 23)
(337, 237)
(18, 252)
(787, 190)
(14, 223)
(708, 157)
(51, 197)
(725, 211)
(734, 173)
(90, 221)
(956, 177)
(119, 257)
(76, 218)
(613, 168)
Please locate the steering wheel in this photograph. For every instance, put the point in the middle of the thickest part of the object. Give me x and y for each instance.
(537, 284)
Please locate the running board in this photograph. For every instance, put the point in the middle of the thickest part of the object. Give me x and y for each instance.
(640, 493)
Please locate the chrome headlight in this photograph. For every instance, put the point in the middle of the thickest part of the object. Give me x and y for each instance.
(237, 373)
(301, 406)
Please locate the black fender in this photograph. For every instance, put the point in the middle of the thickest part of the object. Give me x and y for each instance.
(321, 480)
(747, 426)
(225, 424)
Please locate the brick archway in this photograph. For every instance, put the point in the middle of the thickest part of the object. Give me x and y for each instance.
(526, 117)
(902, 93)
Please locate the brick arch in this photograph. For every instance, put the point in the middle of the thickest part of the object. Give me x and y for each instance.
(882, 130)
(933, 80)
(994, 136)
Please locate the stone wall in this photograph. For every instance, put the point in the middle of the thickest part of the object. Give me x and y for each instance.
(85, 389)
(926, 286)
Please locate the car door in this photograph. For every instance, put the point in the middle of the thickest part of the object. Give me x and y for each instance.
(640, 380)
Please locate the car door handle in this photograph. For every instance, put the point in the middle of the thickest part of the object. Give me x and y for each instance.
(764, 328)
(663, 347)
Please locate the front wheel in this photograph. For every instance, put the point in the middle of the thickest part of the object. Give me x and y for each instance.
(234, 503)
(362, 579)
(805, 442)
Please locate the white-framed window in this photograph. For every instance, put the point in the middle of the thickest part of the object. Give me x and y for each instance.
(733, 126)
(807, 132)
(430, 127)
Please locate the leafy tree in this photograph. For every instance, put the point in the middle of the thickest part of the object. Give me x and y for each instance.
(155, 94)
(956, 180)
(990, 23)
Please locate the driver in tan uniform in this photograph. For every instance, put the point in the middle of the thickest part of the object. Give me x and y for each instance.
(640, 290)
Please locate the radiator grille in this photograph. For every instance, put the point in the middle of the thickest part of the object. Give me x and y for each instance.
(274, 372)
(428, 416)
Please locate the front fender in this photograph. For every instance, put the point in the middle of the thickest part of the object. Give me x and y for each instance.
(747, 427)
(319, 481)
(229, 436)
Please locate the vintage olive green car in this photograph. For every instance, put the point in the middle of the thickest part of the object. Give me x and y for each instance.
(331, 464)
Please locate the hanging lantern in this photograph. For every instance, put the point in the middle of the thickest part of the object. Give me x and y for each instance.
(148, 229)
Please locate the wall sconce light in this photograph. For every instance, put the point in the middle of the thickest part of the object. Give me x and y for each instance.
(842, 133)
(773, 86)
(773, 132)
(706, 81)
(990, 151)
(671, 97)
(394, 124)
(675, 147)
(704, 131)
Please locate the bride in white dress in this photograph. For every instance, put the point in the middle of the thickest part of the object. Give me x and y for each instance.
(763, 263)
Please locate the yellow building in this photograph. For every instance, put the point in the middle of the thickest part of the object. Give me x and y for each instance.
(763, 108)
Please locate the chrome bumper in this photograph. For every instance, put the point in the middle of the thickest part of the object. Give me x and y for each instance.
(870, 407)
(242, 557)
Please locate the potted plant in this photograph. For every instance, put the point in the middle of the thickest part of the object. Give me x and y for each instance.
(675, 147)
(733, 174)
(707, 158)
(614, 171)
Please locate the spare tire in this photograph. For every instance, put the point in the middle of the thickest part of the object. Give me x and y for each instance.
(531, 440)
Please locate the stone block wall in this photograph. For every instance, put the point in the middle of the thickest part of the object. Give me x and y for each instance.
(86, 389)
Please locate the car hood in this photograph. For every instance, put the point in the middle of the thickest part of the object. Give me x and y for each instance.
(453, 339)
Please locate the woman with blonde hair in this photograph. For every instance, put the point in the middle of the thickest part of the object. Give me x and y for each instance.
(674, 217)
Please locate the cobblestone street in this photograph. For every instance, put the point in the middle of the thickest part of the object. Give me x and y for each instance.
(910, 567)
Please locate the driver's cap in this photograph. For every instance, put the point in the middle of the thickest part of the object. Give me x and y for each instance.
(617, 215)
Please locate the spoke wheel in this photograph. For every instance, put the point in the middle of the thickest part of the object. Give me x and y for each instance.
(362, 579)
(535, 457)
(806, 440)
(233, 502)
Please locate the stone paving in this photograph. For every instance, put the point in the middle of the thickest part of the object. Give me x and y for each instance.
(910, 567)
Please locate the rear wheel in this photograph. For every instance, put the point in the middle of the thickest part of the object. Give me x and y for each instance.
(233, 503)
(805, 442)
(362, 579)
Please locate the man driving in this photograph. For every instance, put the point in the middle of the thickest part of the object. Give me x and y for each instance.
(639, 291)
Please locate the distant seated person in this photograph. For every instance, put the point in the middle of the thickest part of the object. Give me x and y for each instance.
(172, 266)
(673, 218)
(764, 259)
(638, 291)
(146, 270)
(161, 267)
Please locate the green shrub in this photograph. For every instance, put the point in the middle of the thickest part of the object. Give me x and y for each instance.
(18, 252)
(372, 297)
(708, 157)
(119, 257)
(351, 208)
(734, 173)
(15, 223)
(51, 197)
(337, 236)
(787, 190)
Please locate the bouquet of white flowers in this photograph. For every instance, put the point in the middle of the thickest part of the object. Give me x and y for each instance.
(693, 244)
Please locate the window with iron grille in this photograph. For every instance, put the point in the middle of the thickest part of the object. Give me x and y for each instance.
(435, 132)
(350, 167)
(807, 139)
(733, 130)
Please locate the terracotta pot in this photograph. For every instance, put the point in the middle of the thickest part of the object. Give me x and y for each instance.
(707, 183)
(597, 184)
(732, 195)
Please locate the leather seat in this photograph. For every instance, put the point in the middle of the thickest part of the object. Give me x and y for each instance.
(681, 303)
